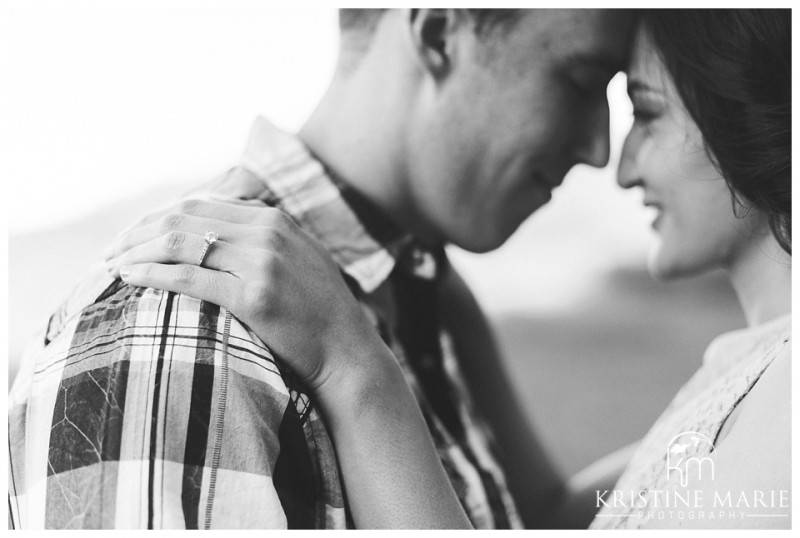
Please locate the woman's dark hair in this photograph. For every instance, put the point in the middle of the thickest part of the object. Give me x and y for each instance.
(733, 71)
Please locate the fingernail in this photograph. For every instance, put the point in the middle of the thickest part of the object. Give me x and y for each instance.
(125, 272)
(108, 252)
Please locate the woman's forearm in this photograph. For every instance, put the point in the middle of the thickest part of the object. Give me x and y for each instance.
(392, 474)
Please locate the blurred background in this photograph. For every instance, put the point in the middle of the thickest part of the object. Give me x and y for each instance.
(112, 112)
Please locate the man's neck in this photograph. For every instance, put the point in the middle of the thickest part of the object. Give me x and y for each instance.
(359, 130)
(366, 158)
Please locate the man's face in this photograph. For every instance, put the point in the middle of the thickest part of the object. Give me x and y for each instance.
(517, 111)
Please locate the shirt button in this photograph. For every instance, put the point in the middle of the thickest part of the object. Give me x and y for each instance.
(424, 263)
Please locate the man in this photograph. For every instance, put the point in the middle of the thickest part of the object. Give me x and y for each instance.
(149, 409)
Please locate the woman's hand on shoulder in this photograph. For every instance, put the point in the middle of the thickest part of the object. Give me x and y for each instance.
(268, 272)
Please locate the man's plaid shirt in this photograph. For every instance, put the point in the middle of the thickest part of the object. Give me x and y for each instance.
(138, 408)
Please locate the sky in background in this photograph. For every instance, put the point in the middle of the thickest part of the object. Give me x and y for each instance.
(104, 104)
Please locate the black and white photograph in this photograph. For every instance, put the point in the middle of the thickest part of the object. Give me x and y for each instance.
(397, 268)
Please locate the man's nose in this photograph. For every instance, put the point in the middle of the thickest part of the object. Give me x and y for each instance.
(595, 146)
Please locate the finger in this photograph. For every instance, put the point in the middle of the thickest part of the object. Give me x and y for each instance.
(205, 284)
(240, 183)
(234, 213)
(235, 184)
(175, 222)
(255, 202)
(183, 247)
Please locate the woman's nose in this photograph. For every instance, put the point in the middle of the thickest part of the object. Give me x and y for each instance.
(628, 174)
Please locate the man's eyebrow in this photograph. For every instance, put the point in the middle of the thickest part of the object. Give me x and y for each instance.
(596, 59)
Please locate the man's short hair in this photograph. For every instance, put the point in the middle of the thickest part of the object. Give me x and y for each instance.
(358, 25)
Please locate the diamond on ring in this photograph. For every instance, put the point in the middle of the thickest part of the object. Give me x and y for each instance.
(210, 238)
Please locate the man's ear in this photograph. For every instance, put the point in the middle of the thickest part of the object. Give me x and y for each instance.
(432, 34)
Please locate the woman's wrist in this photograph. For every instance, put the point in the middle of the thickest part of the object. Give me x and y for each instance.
(358, 378)
(385, 451)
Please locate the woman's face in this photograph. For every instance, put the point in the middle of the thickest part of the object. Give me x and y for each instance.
(664, 154)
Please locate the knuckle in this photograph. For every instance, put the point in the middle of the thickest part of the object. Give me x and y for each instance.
(147, 219)
(272, 239)
(267, 265)
(171, 222)
(187, 276)
(262, 235)
(282, 220)
(189, 207)
(257, 295)
(147, 270)
(286, 226)
(268, 216)
(174, 241)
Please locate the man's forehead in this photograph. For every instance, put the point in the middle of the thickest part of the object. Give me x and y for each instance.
(600, 35)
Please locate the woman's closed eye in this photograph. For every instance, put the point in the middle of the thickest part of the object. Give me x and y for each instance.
(644, 114)
(647, 106)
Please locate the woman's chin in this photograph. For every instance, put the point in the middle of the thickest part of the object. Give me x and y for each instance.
(660, 274)
(665, 268)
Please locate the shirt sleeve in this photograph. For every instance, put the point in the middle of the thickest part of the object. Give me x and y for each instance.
(155, 410)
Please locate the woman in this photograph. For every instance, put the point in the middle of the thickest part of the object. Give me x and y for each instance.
(710, 148)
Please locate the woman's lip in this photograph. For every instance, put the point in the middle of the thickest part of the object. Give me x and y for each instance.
(659, 216)
(656, 221)
(658, 210)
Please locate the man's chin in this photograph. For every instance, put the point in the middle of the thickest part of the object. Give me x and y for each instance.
(482, 243)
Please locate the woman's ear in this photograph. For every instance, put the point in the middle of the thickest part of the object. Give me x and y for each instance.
(433, 36)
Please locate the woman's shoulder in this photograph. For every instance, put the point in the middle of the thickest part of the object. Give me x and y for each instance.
(769, 400)
(761, 421)
(757, 449)
(750, 467)
(742, 345)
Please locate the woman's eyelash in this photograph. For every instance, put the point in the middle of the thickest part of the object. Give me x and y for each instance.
(640, 114)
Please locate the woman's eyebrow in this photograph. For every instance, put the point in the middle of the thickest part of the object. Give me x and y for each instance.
(636, 85)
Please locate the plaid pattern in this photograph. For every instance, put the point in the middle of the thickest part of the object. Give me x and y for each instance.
(138, 408)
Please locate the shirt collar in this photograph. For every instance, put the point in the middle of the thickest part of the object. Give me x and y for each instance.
(362, 241)
(748, 342)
